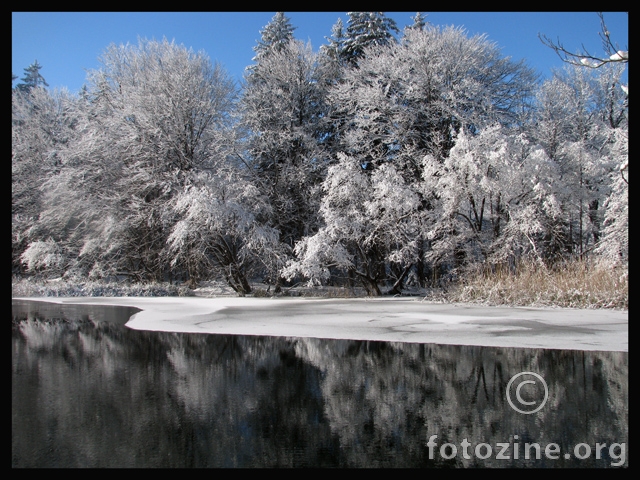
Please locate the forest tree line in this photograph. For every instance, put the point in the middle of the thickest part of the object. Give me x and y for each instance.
(385, 158)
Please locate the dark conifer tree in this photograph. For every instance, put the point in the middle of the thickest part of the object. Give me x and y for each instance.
(365, 29)
(32, 78)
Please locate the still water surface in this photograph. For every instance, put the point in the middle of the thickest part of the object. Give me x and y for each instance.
(89, 392)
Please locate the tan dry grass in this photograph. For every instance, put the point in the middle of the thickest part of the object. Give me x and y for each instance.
(576, 284)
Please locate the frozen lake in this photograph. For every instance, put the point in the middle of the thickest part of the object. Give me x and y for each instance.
(87, 391)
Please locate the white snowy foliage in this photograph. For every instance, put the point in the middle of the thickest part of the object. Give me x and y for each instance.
(491, 197)
(429, 152)
(282, 108)
(152, 115)
(218, 228)
(367, 30)
(577, 108)
(402, 103)
(614, 245)
(43, 126)
(364, 215)
(41, 255)
(164, 102)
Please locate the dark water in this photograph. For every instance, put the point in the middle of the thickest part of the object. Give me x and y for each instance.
(89, 392)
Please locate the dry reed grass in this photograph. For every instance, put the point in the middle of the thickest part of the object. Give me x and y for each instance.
(575, 284)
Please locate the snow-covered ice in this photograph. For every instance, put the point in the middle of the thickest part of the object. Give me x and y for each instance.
(385, 319)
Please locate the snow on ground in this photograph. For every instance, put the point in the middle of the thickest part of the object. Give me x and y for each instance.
(386, 319)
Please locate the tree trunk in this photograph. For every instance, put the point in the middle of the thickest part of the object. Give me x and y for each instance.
(372, 288)
(420, 265)
(397, 287)
(369, 284)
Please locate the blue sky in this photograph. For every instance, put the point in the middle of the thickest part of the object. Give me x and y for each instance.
(68, 43)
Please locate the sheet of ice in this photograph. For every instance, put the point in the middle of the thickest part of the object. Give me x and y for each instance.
(386, 319)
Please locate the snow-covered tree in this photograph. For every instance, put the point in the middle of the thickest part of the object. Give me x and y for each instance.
(419, 21)
(411, 97)
(409, 100)
(487, 197)
(614, 244)
(155, 114)
(44, 256)
(366, 29)
(371, 160)
(220, 231)
(613, 109)
(333, 50)
(43, 126)
(368, 223)
(575, 110)
(274, 37)
(610, 64)
(282, 109)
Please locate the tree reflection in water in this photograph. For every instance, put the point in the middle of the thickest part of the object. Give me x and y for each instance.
(89, 392)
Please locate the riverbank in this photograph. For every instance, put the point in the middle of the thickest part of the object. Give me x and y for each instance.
(576, 284)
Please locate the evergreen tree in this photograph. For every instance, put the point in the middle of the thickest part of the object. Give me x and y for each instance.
(419, 21)
(365, 29)
(336, 42)
(32, 78)
(274, 36)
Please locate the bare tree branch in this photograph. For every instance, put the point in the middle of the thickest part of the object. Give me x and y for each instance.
(585, 59)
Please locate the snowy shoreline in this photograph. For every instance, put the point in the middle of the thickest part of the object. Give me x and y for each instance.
(378, 319)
